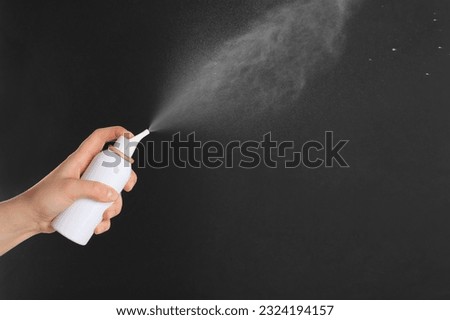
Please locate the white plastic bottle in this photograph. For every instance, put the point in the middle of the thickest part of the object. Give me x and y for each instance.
(111, 167)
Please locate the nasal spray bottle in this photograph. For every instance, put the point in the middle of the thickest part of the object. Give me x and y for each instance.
(111, 167)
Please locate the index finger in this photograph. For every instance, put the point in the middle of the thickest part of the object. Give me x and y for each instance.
(95, 142)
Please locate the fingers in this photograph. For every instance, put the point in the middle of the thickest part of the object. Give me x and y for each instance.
(110, 213)
(76, 189)
(131, 182)
(103, 226)
(94, 144)
(113, 210)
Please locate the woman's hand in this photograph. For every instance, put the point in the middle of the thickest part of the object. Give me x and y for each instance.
(33, 211)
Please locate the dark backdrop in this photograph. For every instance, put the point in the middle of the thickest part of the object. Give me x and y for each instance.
(379, 229)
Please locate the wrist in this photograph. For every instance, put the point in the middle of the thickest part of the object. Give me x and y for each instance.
(21, 216)
(31, 218)
(15, 224)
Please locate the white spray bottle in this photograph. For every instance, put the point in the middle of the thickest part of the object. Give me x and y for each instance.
(111, 167)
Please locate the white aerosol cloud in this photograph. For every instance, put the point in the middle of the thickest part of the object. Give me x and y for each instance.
(266, 67)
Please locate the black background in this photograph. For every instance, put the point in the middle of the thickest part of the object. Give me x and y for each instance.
(379, 229)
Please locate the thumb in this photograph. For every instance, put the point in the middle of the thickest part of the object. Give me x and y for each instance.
(78, 189)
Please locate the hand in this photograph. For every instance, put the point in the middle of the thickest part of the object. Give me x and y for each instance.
(33, 211)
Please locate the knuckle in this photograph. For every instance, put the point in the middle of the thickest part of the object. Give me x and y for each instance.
(119, 128)
(95, 135)
(109, 213)
(118, 208)
(96, 132)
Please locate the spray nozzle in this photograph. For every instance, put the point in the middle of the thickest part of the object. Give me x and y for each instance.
(140, 136)
(128, 146)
